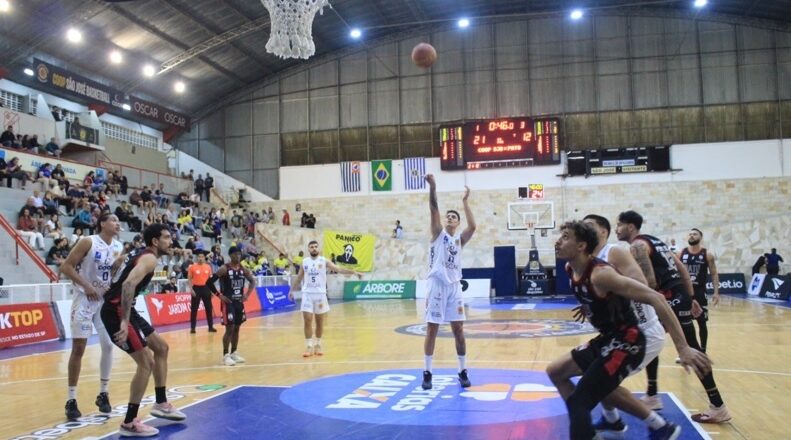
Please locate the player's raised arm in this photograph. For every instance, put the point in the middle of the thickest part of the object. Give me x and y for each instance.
(466, 235)
(436, 223)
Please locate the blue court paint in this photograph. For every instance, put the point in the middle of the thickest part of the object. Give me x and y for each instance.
(303, 412)
(506, 328)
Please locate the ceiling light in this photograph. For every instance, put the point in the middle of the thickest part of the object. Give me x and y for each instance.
(149, 70)
(5, 6)
(28, 71)
(464, 22)
(179, 87)
(700, 3)
(74, 35)
(116, 57)
(356, 33)
(126, 107)
(576, 14)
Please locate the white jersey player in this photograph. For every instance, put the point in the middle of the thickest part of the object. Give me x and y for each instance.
(89, 266)
(312, 280)
(444, 302)
(649, 324)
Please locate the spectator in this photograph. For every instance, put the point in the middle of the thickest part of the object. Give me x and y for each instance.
(52, 228)
(191, 175)
(215, 257)
(28, 229)
(151, 218)
(310, 223)
(50, 204)
(34, 146)
(113, 183)
(125, 214)
(74, 130)
(177, 273)
(773, 261)
(199, 184)
(759, 263)
(58, 252)
(286, 218)
(207, 230)
(236, 226)
(30, 205)
(171, 286)
(83, 218)
(185, 221)
(76, 236)
(135, 199)
(298, 261)
(14, 171)
(60, 176)
(270, 216)
(148, 198)
(398, 232)
(163, 201)
(123, 184)
(52, 148)
(8, 138)
(208, 184)
(137, 241)
(25, 142)
(56, 114)
(304, 220)
(280, 264)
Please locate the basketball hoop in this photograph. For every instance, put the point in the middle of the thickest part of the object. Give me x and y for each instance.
(531, 228)
(292, 26)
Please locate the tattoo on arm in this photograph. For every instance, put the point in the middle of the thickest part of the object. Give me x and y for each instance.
(640, 254)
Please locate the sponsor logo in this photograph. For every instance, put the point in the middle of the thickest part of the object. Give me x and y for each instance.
(615, 344)
(21, 318)
(99, 419)
(396, 397)
(269, 296)
(756, 283)
(773, 295)
(158, 304)
(506, 328)
(777, 282)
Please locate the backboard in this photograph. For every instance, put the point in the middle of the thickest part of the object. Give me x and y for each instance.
(521, 213)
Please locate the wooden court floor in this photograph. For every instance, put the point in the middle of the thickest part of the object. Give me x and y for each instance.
(749, 342)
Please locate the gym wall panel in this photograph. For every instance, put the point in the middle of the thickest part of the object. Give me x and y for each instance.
(266, 151)
(266, 116)
(238, 153)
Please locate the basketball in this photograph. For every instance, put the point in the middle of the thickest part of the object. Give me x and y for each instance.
(424, 55)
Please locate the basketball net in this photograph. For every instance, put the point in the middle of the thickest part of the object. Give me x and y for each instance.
(292, 27)
(531, 229)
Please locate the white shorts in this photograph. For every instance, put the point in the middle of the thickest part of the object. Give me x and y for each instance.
(444, 302)
(85, 312)
(654, 342)
(315, 303)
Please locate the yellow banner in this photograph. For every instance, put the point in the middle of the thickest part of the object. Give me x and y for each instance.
(350, 250)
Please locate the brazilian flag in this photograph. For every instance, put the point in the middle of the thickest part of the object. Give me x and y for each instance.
(382, 175)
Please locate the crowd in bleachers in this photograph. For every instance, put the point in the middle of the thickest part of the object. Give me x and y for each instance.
(29, 143)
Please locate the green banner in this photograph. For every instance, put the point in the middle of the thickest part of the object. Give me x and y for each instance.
(392, 289)
(382, 175)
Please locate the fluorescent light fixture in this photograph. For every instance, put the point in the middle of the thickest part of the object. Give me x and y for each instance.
(116, 57)
(149, 70)
(576, 14)
(700, 3)
(179, 87)
(464, 22)
(74, 35)
(28, 71)
(356, 33)
(5, 6)
(126, 107)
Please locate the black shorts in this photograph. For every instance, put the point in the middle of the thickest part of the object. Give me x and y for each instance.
(233, 313)
(607, 360)
(700, 297)
(616, 353)
(681, 303)
(139, 329)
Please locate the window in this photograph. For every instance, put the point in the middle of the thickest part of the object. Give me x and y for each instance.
(11, 101)
(128, 135)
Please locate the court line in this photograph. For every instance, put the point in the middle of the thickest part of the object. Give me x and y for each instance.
(703, 433)
(354, 362)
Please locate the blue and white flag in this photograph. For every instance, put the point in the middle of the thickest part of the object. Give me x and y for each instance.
(350, 176)
(415, 172)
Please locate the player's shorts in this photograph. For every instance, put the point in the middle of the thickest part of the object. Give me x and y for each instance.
(85, 315)
(701, 298)
(654, 343)
(315, 303)
(681, 303)
(233, 313)
(444, 302)
(139, 329)
(612, 356)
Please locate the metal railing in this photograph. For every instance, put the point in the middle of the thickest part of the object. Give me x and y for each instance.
(20, 242)
(139, 177)
(34, 293)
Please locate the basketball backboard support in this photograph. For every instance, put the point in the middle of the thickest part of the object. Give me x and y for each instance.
(520, 214)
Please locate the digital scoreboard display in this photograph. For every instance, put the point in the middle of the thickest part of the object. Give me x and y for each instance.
(502, 142)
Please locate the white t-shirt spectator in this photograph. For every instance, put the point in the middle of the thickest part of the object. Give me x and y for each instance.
(38, 202)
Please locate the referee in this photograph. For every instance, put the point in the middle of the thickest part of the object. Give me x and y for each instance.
(198, 275)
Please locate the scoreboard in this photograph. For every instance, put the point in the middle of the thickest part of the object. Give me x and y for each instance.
(502, 142)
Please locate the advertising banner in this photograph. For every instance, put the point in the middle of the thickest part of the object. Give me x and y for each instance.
(755, 284)
(26, 323)
(173, 308)
(776, 287)
(272, 297)
(350, 249)
(390, 289)
(729, 283)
